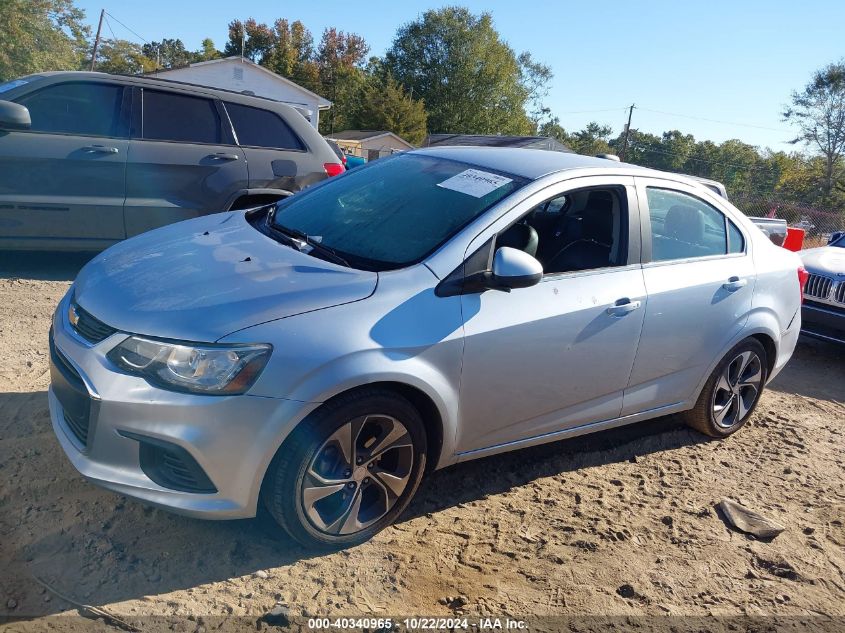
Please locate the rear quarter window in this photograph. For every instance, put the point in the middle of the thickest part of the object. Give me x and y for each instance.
(255, 127)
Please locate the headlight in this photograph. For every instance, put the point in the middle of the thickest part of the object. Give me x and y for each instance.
(210, 369)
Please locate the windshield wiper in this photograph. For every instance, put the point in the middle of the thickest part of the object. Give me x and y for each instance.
(298, 239)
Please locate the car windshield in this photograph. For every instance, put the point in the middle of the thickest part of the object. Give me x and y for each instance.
(396, 211)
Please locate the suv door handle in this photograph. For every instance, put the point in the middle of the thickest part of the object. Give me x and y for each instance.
(734, 283)
(100, 149)
(623, 306)
(224, 156)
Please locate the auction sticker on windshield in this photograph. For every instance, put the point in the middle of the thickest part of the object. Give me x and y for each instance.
(474, 182)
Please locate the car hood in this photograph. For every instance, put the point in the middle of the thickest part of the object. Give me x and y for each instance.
(829, 259)
(205, 278)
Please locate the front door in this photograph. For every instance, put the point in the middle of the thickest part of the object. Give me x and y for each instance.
(559, 354)
(700, 282)
(62, 181)
(183, 161)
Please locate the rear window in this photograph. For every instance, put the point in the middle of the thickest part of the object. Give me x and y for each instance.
(396, 211)
(255, 127)
(173, 117)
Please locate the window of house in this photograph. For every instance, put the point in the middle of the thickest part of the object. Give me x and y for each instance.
(682, 226)
(86, 109)
(260, 128)
(580, 230)
(174, 117)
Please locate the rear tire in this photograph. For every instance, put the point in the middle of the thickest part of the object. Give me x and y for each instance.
(348, 471)
(732, 392)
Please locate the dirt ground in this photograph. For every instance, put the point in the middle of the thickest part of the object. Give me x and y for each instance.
(620, 523)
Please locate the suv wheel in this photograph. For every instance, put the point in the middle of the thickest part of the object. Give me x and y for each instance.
(732, 392)
(348, 471)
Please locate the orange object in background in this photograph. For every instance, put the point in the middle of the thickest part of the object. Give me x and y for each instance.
(794, 239)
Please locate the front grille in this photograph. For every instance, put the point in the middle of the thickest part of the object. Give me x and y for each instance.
(88, 326)
(839, 294)
(79, 428)
(818, 286)
(171, 466)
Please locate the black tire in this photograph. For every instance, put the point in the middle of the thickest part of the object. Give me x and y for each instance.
(704, 417)
(284, 489)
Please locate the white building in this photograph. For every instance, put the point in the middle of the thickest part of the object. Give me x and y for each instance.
(243, 75)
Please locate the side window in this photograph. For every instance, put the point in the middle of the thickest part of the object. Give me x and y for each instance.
(736, 243)
(87, 109)
(682, 226)
(174, 117)
(581, 230)
(260, 128)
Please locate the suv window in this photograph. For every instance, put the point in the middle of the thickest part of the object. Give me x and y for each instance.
(261, 128)
(683, 226)
(174, 117)
(86, 109)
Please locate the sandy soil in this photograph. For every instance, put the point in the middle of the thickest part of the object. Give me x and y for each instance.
(619, 523)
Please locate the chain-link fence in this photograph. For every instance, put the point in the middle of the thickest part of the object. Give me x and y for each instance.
(817, 224)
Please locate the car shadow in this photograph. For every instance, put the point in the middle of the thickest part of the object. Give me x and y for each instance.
(816, 370)
(100, 548)
(43, 266)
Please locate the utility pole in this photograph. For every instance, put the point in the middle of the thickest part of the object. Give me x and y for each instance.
(97, 39)
(627, 131)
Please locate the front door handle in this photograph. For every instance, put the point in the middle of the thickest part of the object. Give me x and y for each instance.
(224, 156)
(623, 306)
(100, 149)
(734, 283)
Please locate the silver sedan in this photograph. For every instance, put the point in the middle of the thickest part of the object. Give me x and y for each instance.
(321, 354)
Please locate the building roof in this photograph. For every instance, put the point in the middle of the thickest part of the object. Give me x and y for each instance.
(323, 103)
(365, 135)
(489, 140)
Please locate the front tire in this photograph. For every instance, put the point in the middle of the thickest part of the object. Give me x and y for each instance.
(732, 391)
(348, 471)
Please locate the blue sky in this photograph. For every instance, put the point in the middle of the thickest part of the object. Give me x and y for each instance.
(730, 62)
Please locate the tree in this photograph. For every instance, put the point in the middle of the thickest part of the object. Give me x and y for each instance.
(257, 40)
(168, 53)
(470, 80)
(384, 105)
(339, 58)
(123, 57)
(39, 35)
(207, 52)
(292, 54)
(819, 113)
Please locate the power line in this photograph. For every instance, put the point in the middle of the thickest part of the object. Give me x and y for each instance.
(699, 118)
(108, 24)
(127, 28)
(591, 111)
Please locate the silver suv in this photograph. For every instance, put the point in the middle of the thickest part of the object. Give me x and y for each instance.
(88, 159)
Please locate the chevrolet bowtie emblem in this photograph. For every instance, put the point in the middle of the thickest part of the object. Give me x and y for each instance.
(72, 315)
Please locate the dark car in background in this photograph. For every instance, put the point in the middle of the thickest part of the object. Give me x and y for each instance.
(823, 312)
(88, 159)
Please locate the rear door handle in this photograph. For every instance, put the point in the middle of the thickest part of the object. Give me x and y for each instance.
(224, 156)
(100, 149)
(734, 283)
(623, 307)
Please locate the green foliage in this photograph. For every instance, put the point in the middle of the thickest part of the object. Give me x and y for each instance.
(122, 57)
(168, 53)
(472, 82)
(39, 35)
(384, 105)
(819, 113)
(207, 52)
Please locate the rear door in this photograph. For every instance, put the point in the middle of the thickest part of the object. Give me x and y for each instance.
(62, 180)
(183, 160)
(699, 276)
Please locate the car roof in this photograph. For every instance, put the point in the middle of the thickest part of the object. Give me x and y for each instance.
(528, 163)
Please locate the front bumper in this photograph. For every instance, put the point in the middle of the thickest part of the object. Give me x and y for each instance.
(823, 322)
(231, 438)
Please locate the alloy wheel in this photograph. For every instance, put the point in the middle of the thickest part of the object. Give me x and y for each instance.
(357, 475)
(737, 389)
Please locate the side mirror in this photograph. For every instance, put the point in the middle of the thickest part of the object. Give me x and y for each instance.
(835, 236)
(513, 268)
(14, 116)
